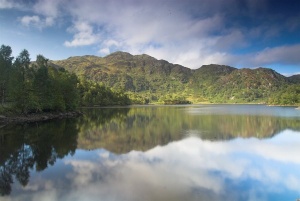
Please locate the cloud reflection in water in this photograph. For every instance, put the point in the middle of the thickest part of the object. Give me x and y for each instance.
(190, 169)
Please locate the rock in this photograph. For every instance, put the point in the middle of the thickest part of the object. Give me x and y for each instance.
(2, 117)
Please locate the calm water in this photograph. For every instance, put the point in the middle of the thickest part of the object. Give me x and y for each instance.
(155, 153)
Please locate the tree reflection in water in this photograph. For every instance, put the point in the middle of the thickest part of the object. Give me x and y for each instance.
(33, 146)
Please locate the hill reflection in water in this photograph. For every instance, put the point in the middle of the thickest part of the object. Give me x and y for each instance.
(208, 149)
(141, 128)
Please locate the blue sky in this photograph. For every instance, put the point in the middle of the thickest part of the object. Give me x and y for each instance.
(239, 33)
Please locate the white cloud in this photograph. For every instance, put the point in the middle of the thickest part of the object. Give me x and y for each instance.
(286, 55)
(36, 21)
(161, 29)
(281, 54)
(181, 32)
(104, 51)
(29, 20)
(48, 8)
(8, 4)
(84, 35)
(191, 33)
(108, 46)
(44, 13)
(111, 43)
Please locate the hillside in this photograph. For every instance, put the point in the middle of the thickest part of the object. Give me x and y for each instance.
(248, 85)
(140, 73)
(152, 79)
(295, 79)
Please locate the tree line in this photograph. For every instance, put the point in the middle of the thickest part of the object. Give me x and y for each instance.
(32, 87)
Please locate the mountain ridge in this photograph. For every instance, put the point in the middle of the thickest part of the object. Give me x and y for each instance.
(153, 78)
(143, 56)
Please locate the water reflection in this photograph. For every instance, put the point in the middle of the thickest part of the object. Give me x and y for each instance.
(189, 169)
(190, 153)
(141, 128)
(33, 146)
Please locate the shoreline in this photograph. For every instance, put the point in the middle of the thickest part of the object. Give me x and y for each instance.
(201, 103)
(40, 117)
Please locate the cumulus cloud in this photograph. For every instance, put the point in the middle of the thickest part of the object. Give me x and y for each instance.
(157, 28)
(84, 35)
(44, 13)
(190, 33)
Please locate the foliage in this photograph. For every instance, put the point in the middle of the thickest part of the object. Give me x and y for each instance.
(138, 98)
(21, 84)
(40, 88)
(142, 77)
(286, 96)
(30, 87)
(173, 99)
(5, 67)
(96, 94)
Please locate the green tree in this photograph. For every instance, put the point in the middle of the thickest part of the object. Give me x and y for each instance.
(5, 67)
(93, 93)
(43, 84)
(68, 88)
(21, 84)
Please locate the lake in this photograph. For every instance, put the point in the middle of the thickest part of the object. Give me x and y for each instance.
(155, 153)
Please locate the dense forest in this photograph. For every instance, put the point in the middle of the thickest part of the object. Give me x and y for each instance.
(34, 87)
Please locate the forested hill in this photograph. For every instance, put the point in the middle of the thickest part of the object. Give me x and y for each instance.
(152, 80)
(132, 73)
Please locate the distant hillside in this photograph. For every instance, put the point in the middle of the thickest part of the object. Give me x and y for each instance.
(247, 85)
(152, 78)
(295, 79)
